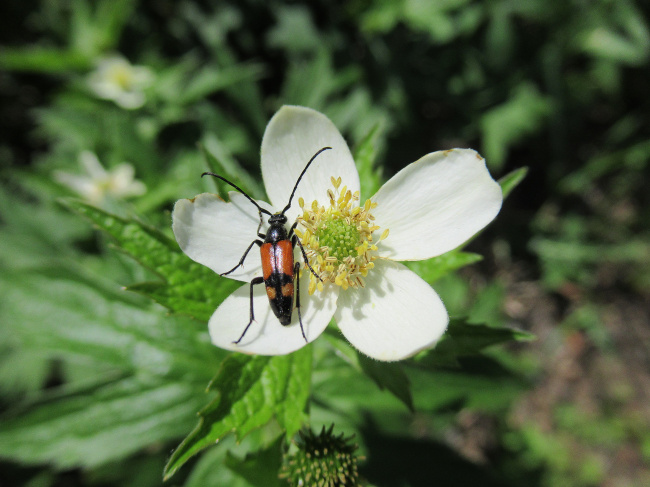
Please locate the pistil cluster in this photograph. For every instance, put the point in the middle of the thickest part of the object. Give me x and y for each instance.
(323, 460)
(338, 240)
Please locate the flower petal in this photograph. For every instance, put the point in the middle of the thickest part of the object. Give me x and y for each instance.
(216, 234)
(266, 336)
(123, 182)
(291, 139)
(435, 204)
(394, 316)
(90, 163)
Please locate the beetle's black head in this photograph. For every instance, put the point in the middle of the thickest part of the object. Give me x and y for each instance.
(278, 218)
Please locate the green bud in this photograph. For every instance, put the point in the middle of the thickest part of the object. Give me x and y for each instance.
(323, 460)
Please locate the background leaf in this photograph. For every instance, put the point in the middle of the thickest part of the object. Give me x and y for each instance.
(251, 390)
(185, 288)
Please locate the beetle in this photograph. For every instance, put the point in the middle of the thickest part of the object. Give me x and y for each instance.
(279, 271)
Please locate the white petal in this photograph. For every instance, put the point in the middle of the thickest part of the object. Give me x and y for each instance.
(291, 139)
(266, 336)
(129, 99)
(394, 316)
(82, 185)
(123, 183)
(89, 161)
(435, 204)
(216, 234)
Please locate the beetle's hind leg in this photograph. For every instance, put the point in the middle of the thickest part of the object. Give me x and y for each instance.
(296, 277)
(257, 280)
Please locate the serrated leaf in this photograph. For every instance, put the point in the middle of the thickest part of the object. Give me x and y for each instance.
(251, 390)
(172, 299)
(433, 269)
(389, 376)
(186, 287)
(107, 422)
(511, 180)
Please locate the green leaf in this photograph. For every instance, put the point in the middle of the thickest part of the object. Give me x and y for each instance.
(511, 180)
(260, 468)
(212, 79)
(385, 375)
(77, 320)
(507, 124)
(251, 390)
(626, 40)
(477, 382)
(437, 267)
(209, 471)
(43, 59)
(220, 160)
(185, 287)
(466, 340)
(36, 233)
(389, 376)
(92, 426)
(21, 370)
(308, 82)
(365, 155)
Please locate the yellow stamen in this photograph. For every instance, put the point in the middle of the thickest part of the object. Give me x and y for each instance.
(338, 239)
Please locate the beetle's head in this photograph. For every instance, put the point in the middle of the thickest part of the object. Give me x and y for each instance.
(277, 218)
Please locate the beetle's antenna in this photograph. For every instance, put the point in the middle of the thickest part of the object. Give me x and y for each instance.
(240, 190)
(300, 177)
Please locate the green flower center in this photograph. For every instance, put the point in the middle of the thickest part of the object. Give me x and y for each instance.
(122, 76)
(338, 239)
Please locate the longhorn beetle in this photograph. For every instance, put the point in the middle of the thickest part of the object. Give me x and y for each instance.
(278, 269)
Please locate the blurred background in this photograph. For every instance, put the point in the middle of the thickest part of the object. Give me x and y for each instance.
(109, 101)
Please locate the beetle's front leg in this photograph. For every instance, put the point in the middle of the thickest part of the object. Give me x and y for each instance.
(295, 240)
(241, 261)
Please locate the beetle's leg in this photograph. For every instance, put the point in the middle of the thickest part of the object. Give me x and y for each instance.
(258, 242)
(296, 277)
(259, 227)
(295, 240)
(257, 280)
(243, 257)
(293, 227)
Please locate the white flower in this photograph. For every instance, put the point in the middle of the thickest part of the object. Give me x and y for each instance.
(118, 80)
(97, 183)
(384, 309)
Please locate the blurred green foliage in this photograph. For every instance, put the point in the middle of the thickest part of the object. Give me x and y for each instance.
(99, 385)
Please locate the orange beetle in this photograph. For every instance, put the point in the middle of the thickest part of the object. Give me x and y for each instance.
(279, 272)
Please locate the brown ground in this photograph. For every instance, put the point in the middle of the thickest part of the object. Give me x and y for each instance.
(601, 375)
